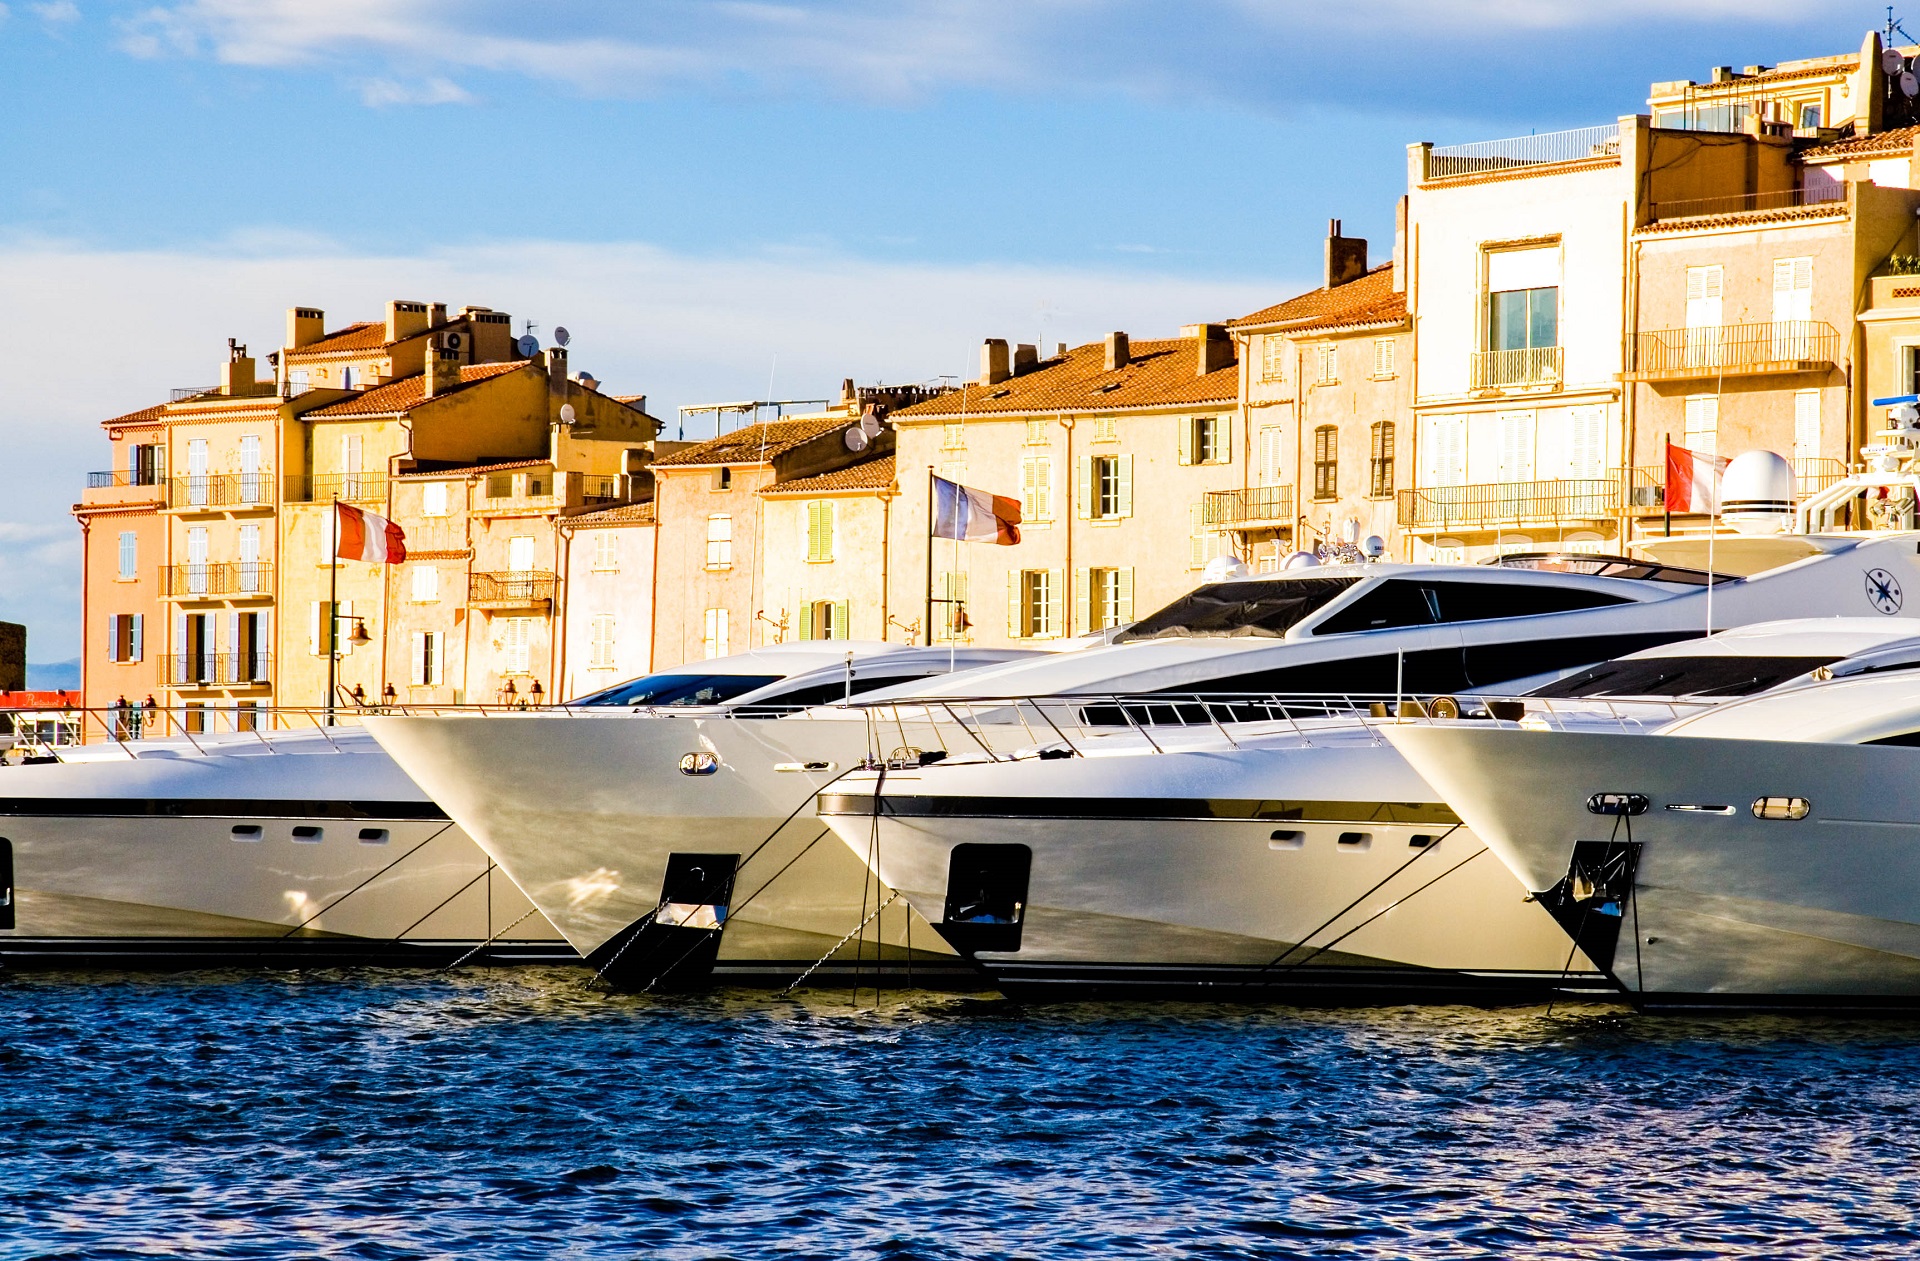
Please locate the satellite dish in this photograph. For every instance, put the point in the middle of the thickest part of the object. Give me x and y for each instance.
(528, 345)
(1909, 85)
(1301, 560)
(1890, 61)
(560, 335)
(589, 380)
(566, 413)
(1225, 569)
(856, 439)
(870, 425)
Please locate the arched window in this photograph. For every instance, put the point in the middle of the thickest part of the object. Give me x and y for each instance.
(1326, 462)
(1380, 461)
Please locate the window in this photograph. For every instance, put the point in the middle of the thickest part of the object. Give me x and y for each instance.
(722, 478)
(429, 658)
(250, 488)
(125, 635)
(606, 550)
(720, 541)
(538, 484)
(1036, 488)
(1327, 361)
(820, 514)
(1106, 429)
(1267, 607)
(1205, 440)
(251, 575)
(129, 555)
(499, 486)
(600, 650)
(347, 378)
(197, 472)
(246, 715)
(950, 618)
(426, 584)
(1383, 357)
(1443, 451)
(953, 436)
(350, 464)
(1705, 286)
(1037, 433)
(1273, 358)
(713, 639)
(144, 465)
(1106, 487)
(520, 553)
(1586, 443)
(1273, 454)
(297, 378)
(1205, 543)
(252, 646)
(1031, 604)
(1806, 425)
(198, 575)
(825, 619)
(1399, 602)
(1104, 598)
(433, 499)
(1523, 299)
(1516, 446)
(1792, 308)
(1703, 424)
(1380, 461)
(516, 645)
(1326, 463)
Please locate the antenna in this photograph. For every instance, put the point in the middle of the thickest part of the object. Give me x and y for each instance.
(560, 335)
(528, 345)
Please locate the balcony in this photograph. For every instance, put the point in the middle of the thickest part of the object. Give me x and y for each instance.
(1485, 505)
(351, 487)
(216, 669)
(514, 589)
(1734, 350)
(1648, 496)
(119, 486)
(1495, 369)
(1833, 197)
(1257, 507)
(220, 492)
(222, 580)
(1521, 154)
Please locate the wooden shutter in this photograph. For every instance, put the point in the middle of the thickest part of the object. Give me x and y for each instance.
(1083, 488)
(1806, 424)
(1082, 601)
(1186, 424)
(1056, 601)
(1124, 602)
(113, 638)
(1124, 467)
(437, 660)
(419, 675)
(806, 620)
(1223, 440)
(1016, 624)
(842, 615)
(343, 637)
(136, 643)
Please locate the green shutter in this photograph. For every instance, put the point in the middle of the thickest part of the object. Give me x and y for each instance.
(806, 621)
(1223, 428)
(1082, 601)
(1056, 601)
(1126, 486)
(841, 627)
(1125, 601)
(1083, 488)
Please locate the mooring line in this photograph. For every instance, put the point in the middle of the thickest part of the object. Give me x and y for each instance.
(857, 928)
(369, 880)
(531, 912)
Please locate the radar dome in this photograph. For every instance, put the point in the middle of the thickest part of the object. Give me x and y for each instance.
(1225, 569)
(1301, 560)
(1756, 493)
(1375, 547)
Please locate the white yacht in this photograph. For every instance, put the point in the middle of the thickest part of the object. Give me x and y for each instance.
(1760, 854)
(286, 846)
(639, 844)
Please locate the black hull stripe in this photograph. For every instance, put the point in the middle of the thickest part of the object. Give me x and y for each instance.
(212, 808)
(1412, 813)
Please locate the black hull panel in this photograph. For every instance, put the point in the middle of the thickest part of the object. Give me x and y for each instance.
(173, 954)
(1308, 986)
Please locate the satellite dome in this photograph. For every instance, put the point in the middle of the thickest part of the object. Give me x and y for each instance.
(1225, 569)
(1302, 560)
(1756, 493)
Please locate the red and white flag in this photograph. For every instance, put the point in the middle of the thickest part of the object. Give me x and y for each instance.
(1693, 480)
(362, 535)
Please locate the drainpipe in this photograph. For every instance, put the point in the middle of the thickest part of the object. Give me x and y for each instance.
(466, 632)
(1073, 510)
(653, 598)
(86, 623)
(562, 588)
(886, 562)
(386, 574)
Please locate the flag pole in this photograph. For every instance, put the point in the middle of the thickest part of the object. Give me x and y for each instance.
(1667, 496)
(332, 627)
(929, 621)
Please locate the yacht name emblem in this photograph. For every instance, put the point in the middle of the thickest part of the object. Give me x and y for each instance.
(1883, 591)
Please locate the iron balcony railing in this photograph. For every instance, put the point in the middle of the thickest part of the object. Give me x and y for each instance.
(1811, 475)
(217, 580)
(216, 669)
(1493, 503)
(185, 392)
(1239, 507)
(220, 491)
(512, 589)
(325, 487)
(1535, 365)
(1728, 349)
(1740, 203)
(1546, 149)
(123, 477)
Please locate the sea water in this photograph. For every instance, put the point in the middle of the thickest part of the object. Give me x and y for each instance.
(515, 1113)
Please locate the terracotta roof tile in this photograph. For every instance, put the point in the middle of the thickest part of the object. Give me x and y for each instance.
(354, 338)
(623, 514)
(1898, 141)
(1157, 373)
(753, 444)
(1368, 300)
(405, 394)
(156, 412)
(867, 475)
(1747, 218)
(467, 470)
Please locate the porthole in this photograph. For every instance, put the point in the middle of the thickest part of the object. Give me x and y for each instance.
(1781, 808)
(1287, 840)
(1617, 803)
(307, 832)
(373, 836)
(1356, 841)
(1420, 840)
(701, 763)
(247, 831)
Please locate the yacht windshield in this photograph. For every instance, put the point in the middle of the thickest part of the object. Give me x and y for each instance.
(1683, 676)
(1268, 607)
(679, 689)
(1431, 602)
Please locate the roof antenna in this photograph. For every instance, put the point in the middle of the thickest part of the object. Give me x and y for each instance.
(1894, 28)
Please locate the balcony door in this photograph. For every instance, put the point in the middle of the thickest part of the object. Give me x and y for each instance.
(197, 472)
(1705, 286)
(197, 560)
(1443, 451)
(250, 468)
(1792, 308)
(1523, 317)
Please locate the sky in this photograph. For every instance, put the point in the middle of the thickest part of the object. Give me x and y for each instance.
(727, 199)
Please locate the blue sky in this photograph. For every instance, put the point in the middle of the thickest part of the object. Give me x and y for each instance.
(715, 196)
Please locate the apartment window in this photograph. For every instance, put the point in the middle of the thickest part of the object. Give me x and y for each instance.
(713, 638)
(1206, 440)
(516, 645)
(197, 472)
(252, 646)
(1587, 443)
(1036, 488)
(1106, 487)
(1031, 600)
(1273, 358)
(426, 584)
(1523, 299)
(433, 499)
(1326, 463)
(129, 555)
(606, 551)
(953, 436)
(1443, 451)
(1037, 433)
(126, 633)
(826, 619)
(1105, 598)
(1106, 429)
(198, 573)
(1703, 424)
(350, 466)
(538, 484)
(250, 488)
(1792, 308)
(819, 530)
(246, 715)
(1383, 357)
(520, 553)
(144, 465)
(1327, 363)
(499, 486)
(1380, 461)
(1273, 454)
(950, 606)
(1705, 288)
(1806, 425)
(252, 576)
(429, 658)
(194, 719)
(297, 379)
(720, 541)
(1516, 446)
(600, 647)
(1204, 543)
(722, 478)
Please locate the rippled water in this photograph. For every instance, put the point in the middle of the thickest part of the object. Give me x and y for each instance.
(511, 1114)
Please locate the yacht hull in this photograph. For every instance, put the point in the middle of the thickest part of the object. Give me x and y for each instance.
(1320, 873)
(1714, 905)
(591, 816)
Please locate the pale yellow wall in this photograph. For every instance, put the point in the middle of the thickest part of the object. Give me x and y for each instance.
(854, 574)
(684, 498)
(622, 590)
(1353, 403)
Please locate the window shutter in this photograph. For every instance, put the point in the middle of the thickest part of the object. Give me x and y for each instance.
(1125, 600)
(1186, 424)
(137, 641)
(181, 649)
(419, 675)
(343, 635)
(1056, 600)
(842, 611)
(315, 615)
(234, 645)
(113, 638)
(1083, 488)
(1016, 624)
(1125, 463)
(1082, 601)
(806, 621)
(1806, 424)
(438, 642)
(1223, 433)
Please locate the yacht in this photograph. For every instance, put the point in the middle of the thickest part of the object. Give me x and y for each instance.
(1760, 854)
(641, 846)
(278, 847)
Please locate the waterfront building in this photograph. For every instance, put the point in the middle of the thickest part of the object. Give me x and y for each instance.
(828, 540)
(609, 582)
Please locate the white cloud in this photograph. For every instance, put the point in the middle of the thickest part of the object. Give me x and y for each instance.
(57, 12)
(435, 91)
(112, 331)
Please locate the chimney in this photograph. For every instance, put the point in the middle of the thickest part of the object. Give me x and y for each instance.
(847, 393)
(1346, 256)
(489, 334)
(1215, 347)
(236, 374)
(1059, 350)
(557, 369)
(305, 326)
(404, 319)
(1116, 351)
(443, 371)
(436, 314)
(1400, 246)
(993, 361)
(1025, 359)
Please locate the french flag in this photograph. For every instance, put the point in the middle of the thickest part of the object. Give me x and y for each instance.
(1693, 480)
(362, 535)
(973, 516)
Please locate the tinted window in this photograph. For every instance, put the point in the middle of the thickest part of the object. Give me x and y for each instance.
(1426, 602)
(1267, 607)
(1684, 676)
(679, 689)
(833, 692)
